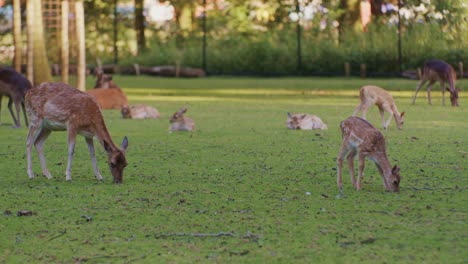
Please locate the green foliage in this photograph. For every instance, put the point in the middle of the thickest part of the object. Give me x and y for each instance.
(254, 191)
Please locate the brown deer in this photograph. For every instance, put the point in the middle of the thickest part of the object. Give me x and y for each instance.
(113, 98)
(362, 139)
(304, 122)
(438, 70)
(140, 112)
(373, 95)
(14, 85)
(104, 80)
(181, 123)
(60, 107)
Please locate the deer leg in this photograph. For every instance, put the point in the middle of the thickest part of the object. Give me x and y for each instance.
(71, 151)
(350, 159)
(364, 110)
(343, 151)
(357, 109)
(25, 114)
(442, 85)
(10, 108)
(29, 144)
(18, 114)
(429, 87)
(360, 171)
(39, 143)
(420, 84)
(89, 142)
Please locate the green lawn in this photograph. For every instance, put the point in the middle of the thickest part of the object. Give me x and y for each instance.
(242, 188)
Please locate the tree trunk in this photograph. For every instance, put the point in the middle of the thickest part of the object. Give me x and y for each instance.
(80, 32)
(30, 50)
(65, 43)
(40, 61)
(140, 26)
(17, 34)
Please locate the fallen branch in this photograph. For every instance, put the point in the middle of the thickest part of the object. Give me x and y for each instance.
(59, 235)
(220, 234)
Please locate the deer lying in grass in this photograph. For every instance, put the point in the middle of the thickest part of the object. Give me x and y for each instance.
(104, 80)
(362, 139)
(140, 112)
(14, 85)
(59, 107)
(181, 123)
(373, 95)
(113, 98)
(304, 122)
(438, 70)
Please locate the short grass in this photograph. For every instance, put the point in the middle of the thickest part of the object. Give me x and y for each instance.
(242, 188)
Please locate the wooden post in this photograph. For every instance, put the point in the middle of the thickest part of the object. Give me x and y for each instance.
(363, 70)
(460, 67)
(30, 26)
(80, 32)
(65, 43)
(347, 69)
(419, 74)
(17, 34)
(137, 68)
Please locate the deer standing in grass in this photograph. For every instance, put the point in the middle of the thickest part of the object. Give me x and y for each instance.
(438, 70)
(60, 107)
(14, 85)
(362, 139)
(113, 98)
(181, 123)
(373, 95)
(304, 122)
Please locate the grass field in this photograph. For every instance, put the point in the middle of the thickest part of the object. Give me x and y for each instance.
(242, 188)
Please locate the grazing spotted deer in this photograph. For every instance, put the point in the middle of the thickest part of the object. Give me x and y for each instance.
(113, 98)
(60, 107)
(104, 80)
(362, 139)
(304, 122)
(14, 85)
(373, 95)
(181, 123)
(140, 112)
(438, 70)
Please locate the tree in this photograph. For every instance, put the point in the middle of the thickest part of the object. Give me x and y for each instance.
(40, 61)
(140, 26)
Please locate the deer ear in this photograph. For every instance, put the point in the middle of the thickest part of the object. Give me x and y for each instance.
(395, 169)
(402, 114)
(289, 115)
(303, 116)
(124, 143)
(107, 147)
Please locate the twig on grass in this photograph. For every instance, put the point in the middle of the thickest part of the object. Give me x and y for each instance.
(59, 235)
(220, 234)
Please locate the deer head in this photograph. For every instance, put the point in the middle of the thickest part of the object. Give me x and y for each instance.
(294, 121)
(453, 96)
(178, 116)
(116, 160)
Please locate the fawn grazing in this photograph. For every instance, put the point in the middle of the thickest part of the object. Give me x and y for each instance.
(14, 85)
(304, 122)
(373, 95)
(438, 70)
(60, 107)
(139, 112)
(181, 123)
(113, 98)
(362, 139)
(104, 80)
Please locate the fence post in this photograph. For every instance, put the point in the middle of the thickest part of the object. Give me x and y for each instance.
(460, 67)
(347, 69)
(419, 74)
(363, 70)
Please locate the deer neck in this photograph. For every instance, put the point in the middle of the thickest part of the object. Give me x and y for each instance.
(102, 134)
